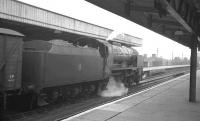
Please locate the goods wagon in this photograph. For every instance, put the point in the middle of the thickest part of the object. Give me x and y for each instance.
(10, 61)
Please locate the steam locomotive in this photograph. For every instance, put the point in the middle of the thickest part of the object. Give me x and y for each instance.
(57, 69)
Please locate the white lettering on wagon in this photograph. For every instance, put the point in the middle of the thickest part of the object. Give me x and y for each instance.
(11, 78)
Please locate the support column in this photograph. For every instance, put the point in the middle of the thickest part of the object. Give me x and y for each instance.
(193, 69)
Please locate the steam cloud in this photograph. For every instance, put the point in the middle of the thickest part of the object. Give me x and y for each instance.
(114, 35)
(114, 88)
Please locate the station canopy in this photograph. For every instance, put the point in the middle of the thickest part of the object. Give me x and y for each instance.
(175, 19)
(43, 23)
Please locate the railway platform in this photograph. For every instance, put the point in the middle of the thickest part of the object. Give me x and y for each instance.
(166, 102)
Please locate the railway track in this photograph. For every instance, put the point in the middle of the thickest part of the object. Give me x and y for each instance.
(72, 107)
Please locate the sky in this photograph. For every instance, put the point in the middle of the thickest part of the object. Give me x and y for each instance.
(82, 10)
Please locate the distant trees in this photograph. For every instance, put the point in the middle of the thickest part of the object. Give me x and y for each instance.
(179, 61)
(159, 61)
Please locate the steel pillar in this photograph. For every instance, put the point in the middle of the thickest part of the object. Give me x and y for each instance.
(193, 69)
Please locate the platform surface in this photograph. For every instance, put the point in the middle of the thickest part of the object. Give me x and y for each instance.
(163, 67)
(168, 102)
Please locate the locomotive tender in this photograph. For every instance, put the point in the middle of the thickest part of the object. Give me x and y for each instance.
(54, 69)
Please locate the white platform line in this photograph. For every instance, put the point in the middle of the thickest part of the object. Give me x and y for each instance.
(70, 118)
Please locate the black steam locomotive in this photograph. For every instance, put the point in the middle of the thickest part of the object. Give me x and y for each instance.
(54, 69)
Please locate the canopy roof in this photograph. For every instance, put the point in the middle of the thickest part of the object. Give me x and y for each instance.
(39, 23)
(175, 19)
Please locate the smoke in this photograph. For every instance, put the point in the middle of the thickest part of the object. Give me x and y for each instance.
(114, 34)
(114, 88)
(60, 47)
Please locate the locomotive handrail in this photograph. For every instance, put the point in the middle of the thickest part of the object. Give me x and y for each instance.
(122, 68)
